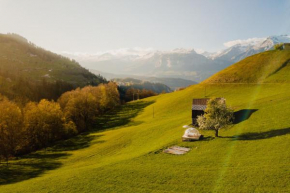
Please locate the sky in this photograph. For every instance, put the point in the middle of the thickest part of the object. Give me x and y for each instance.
(91, 26)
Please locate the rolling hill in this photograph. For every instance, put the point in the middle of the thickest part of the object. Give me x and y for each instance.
(251, 156)
(265, 67)
(23, 62)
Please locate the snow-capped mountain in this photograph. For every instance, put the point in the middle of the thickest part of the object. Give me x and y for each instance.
(240, 51)
(177, 63)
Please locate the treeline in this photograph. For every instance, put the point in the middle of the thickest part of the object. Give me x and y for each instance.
(23, 89)
(130, 94)
(39, 125)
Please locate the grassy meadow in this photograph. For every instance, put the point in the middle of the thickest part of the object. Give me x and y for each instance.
(251, 156)
(126, 156)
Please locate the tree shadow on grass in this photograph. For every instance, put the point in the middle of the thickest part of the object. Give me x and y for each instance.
(208, 138)
(263, 135)
(81, 141)
(37, 163)
(29, 166)
(121, 116)
(242, 115)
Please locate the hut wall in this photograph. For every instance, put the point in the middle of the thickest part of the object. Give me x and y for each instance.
(199, 106)
(196, 113)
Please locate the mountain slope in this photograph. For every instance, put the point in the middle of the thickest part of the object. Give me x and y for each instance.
(22, 61)
(255, 69)
(251, 156)
(18, 56)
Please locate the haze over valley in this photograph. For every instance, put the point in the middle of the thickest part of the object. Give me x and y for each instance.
(178, 63)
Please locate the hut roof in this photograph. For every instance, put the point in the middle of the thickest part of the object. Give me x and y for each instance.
(200, 104)
(202, 101)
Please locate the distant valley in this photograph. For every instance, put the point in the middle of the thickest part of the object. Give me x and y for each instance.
(172, 83)
(178, 63)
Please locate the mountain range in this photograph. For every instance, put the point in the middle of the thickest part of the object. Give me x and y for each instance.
(177, 63)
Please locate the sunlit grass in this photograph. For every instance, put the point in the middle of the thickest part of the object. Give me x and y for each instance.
(126, 156)
(250, 156)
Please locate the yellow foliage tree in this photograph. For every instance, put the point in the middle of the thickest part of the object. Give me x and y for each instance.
(10, 128)
(45, 123)
(82, 106)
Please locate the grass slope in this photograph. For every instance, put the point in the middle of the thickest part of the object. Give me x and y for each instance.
(258, 68)
(251, 156)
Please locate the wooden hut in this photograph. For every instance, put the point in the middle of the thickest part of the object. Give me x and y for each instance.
(286, 46)
(198, 108)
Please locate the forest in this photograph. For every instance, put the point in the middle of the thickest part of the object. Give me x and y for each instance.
(35, 125)
(45, 97)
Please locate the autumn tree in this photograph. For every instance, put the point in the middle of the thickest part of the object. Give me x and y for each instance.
(39, 125)
(45, 123)
(82, 109)
(113, 96)
(67, 96)
(217, 116)
(10, 128)
(107, 96)
(82, 106)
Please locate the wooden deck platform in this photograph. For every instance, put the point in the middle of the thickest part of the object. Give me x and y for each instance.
(176, 150)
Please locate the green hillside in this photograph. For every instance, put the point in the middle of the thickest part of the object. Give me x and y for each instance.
(22, 61)
(251, 156)
(266, 67)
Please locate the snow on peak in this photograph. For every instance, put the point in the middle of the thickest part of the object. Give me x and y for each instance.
(179, 51)
(234, 47)
(239, 46)
(247, 42)
(280, 39)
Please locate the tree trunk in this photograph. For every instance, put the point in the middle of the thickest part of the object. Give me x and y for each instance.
(217, 133)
